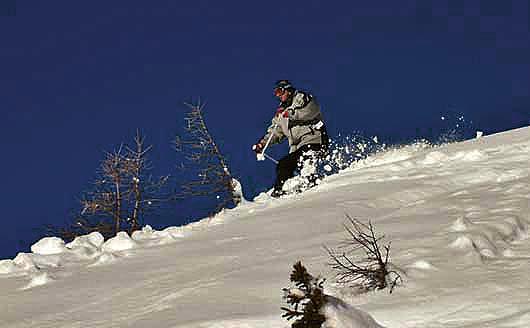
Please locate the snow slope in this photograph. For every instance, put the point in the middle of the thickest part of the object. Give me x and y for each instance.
(457, 216)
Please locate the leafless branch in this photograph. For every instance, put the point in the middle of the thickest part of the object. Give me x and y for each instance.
(204, 155)
(369, 271)
(122, 193)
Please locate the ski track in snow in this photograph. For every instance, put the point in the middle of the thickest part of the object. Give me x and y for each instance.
(458, 218)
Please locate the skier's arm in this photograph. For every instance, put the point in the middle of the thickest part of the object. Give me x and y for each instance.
(304, 107)
(274, 132)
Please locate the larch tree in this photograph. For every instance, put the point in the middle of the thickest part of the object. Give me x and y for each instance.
(202, 154)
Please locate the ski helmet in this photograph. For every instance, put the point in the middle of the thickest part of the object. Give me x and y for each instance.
(281, 85)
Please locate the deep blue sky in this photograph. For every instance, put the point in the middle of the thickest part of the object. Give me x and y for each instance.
(79, 77)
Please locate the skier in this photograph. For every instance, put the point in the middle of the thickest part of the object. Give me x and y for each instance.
(298, 118)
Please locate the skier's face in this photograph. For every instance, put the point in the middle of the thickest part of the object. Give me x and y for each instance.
(282, 94)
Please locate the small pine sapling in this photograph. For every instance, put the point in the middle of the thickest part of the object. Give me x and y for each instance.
(368, 272)
(305, 300)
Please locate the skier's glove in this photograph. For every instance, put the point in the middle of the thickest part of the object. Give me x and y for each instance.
(282, 112)
(258, 148)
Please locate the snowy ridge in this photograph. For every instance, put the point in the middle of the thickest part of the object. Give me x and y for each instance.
(52, 252)
(458, 217)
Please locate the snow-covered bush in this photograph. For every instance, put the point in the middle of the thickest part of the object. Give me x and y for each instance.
(366, 271)
(306, 300)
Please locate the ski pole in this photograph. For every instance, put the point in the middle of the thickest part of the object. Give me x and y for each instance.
(261, 156)
(270, 157)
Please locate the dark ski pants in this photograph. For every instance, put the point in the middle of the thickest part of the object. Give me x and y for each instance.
(288, 164)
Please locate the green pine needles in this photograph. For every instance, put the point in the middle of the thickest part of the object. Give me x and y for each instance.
(306, 299)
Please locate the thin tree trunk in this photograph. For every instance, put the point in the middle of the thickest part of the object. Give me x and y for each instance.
(117, 214)
(136, 211)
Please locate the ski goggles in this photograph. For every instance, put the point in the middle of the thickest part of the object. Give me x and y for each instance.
(279, 91)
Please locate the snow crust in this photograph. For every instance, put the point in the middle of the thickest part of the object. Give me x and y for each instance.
(457, 215)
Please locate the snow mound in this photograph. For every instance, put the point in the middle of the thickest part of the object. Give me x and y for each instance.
(92, 240)
(39, 279)
(262, 197)
(87, 246)
(150, 237)
(338, 315)
(478, 242)
(24, 262)
(489, 239)
(7, 267)
(121, 242)
(341, 315)
(238, 190)
(461, 224)
(47, 261)
(52, 252)
(520, 226)
(511, 229)
(83, 251)
(175, 232)
(105, 258)
(146, 233)
(422, 265)
(48, 246)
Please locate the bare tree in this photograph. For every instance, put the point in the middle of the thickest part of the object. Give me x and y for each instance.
(106, 199)
(80, 225)
(143, 192)
(203, 154)
(123, 192)
(367, 272)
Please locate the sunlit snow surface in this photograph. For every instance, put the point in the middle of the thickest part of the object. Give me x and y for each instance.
(457, 217)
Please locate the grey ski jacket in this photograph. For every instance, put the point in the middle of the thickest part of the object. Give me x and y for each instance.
(303, 126)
